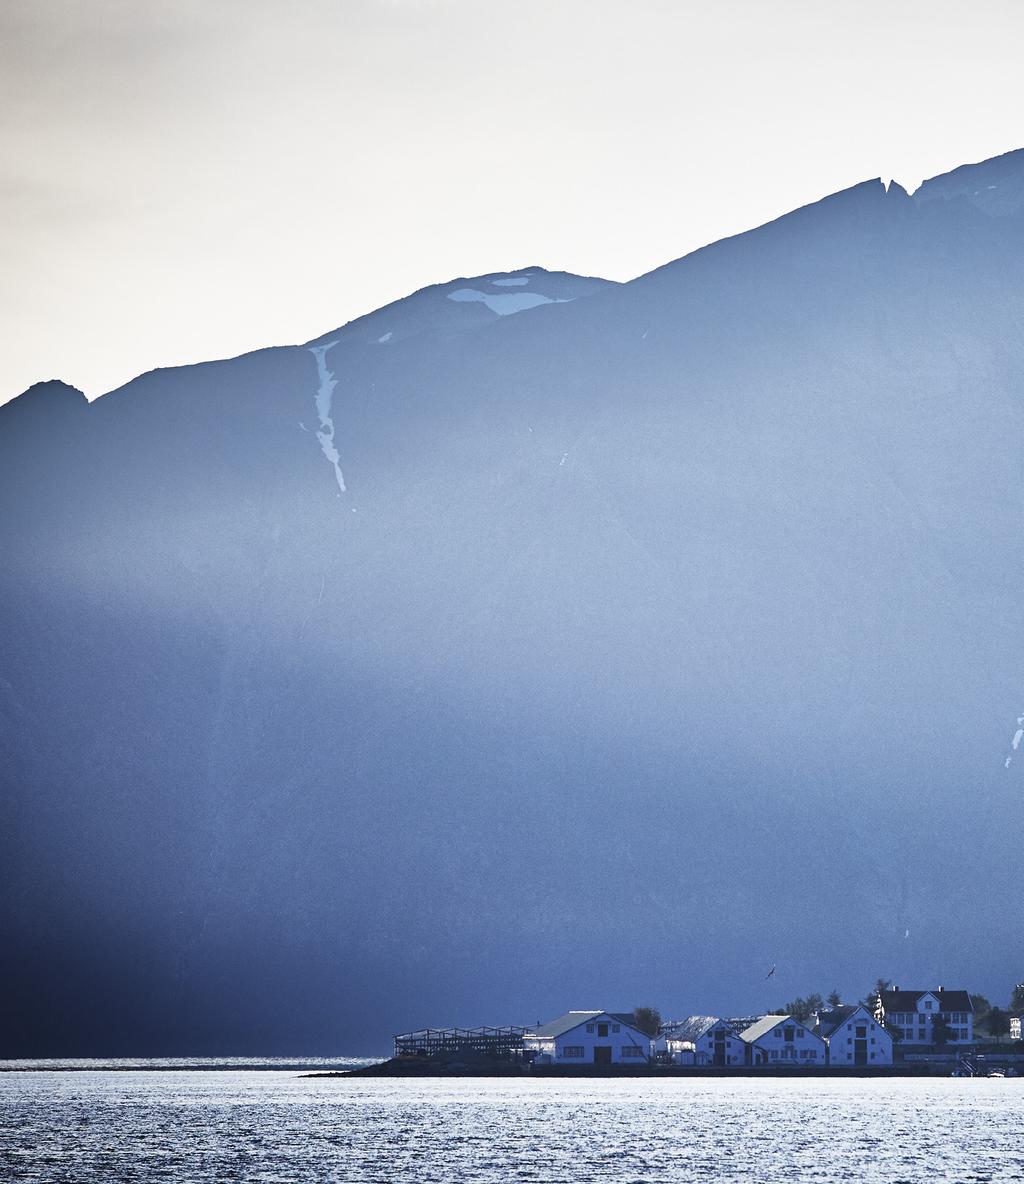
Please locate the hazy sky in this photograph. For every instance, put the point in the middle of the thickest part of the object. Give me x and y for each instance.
(195, 178)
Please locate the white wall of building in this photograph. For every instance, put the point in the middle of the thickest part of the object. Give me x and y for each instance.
(805, 1048)
(733, 1048)
(916, 1027)
(576, 1047)
(842, 1044)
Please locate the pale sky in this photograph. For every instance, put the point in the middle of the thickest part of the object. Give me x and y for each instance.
(191, 179)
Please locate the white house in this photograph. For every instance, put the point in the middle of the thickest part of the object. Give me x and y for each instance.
(912, 1015)
(853, 1036)
(782, 1040)
(701, 1040)
(590, 1038)
(1016, 1023)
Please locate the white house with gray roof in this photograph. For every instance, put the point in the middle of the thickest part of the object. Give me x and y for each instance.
(854, 1036)
(589, 1038)
(701, 1040)
(782, 1040)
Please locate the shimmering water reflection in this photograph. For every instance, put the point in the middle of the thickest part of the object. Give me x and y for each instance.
(273, 1126)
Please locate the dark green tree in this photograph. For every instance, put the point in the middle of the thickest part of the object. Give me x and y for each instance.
(940, 1031)
(802, 1009)
(1017, 998)
(834, 999)
(997, 1022)
(981, 1008)
(648, 1020)
(873, 1000)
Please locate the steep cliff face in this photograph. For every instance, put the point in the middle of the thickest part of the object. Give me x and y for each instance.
(492, 654)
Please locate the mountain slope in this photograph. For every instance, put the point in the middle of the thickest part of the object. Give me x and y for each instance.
(608, 647)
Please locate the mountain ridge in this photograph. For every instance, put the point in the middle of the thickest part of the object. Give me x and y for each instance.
(953, 183)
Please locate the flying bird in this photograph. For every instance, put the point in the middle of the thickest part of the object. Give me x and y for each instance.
(770, 973)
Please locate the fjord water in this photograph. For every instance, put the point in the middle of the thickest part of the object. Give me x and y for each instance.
(276, 1126)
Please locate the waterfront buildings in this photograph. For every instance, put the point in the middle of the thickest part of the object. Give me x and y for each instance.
(848, 1036)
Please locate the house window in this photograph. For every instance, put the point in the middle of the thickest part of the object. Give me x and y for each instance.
(927, 1005)
(632, 1050)
(800, 1033)
(602, 1029)
(573, 1050)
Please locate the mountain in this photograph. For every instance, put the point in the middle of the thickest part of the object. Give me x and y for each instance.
(531, 641)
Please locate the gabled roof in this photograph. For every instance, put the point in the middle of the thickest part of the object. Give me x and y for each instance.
(907, 1000)
(692, 1028)
(765, 1024)
(573, 1019)
(829, 1021)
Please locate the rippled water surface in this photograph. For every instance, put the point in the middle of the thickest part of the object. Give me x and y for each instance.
(239, 1124)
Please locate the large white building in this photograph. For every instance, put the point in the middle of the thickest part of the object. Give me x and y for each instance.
(854, 1037)
(589, 1038)
(782, 1040)
(912, 1016)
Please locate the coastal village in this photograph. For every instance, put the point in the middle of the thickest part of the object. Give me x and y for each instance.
(926, 1031)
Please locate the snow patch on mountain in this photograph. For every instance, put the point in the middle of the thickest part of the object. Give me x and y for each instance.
(512, 281)
(504, 304)
(324, 398)
(1015, 742)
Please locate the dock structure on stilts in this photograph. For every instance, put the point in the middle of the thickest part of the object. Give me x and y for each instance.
(502, 1044)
